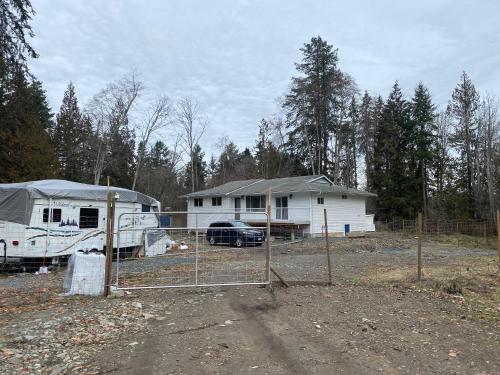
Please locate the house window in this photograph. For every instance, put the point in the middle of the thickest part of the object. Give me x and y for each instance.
(146, 208)
(321, 200)
(89, 217)
(198, 202)
(256, 203)
(344, 196)
(216, 201)
(56, 215)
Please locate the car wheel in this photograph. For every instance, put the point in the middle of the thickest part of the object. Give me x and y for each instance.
(211, 241)
(239, 242)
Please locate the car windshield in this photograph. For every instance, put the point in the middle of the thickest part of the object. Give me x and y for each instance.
(239, 224)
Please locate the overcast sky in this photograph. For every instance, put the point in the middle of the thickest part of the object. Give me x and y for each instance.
(237, 57)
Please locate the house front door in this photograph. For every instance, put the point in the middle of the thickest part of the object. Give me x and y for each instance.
(237, 208)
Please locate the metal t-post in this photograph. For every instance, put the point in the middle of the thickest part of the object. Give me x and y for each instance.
(110, 223)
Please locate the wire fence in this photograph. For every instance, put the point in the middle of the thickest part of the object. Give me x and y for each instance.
(472, 233)
(214, 249)
(228, 247)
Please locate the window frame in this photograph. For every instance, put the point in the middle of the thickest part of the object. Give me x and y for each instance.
(344, 196)
(45, 215)
(90, 225)
(198, 202)
(250, 199)
(320, 200)
(216, 201)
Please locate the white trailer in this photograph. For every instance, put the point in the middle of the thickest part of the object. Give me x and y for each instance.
(51, 219)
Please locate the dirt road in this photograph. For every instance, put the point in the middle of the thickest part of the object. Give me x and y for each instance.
(374, 319)
(307, 330)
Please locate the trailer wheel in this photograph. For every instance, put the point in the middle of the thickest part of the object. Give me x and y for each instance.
(211, 240)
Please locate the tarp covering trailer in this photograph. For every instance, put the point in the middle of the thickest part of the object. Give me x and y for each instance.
(55, 218)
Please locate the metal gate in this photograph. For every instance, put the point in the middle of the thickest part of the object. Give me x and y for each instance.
(208, 248)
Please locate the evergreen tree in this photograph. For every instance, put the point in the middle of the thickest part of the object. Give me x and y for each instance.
(463, 107)
(390, 180)
(247, 166)
(200, 170)
(119, 164)
(14, 32)
(26, 152)
(308, 105)
(423, 116)
(71, 138)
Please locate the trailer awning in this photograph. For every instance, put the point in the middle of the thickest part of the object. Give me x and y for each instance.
(16, 200)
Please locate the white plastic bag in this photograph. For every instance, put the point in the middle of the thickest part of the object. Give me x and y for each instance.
(85, 274)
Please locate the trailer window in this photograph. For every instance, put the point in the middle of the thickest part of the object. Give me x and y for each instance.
(56, 215)
(89, 217)
(146, 208)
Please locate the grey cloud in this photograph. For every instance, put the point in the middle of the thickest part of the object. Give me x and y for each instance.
(238, 57)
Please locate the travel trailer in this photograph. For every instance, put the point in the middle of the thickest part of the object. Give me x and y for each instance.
(48, 220)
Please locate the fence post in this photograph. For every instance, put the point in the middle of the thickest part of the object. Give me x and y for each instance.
(327, 248)
(484, 234)
(196, 251)
(419, 250)
(498, 233)
(110, 224)
(267, 271)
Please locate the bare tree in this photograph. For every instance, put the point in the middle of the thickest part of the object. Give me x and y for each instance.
(156, 117)
(193, 126)
(110, 109)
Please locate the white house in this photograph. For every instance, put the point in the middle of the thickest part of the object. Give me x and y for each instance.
(295, 201)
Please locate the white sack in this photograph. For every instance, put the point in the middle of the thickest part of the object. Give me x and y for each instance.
(85, 274)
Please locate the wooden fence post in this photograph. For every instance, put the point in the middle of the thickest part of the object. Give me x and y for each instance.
(110, 225)
(327, 248)
(484, 234)
(267, 272)
(419, 249)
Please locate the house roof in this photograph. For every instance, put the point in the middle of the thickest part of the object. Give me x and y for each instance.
(315, 184)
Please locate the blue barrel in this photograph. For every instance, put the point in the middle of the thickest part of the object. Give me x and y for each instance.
(165, 221)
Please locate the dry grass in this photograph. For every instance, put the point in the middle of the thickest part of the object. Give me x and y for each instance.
(476, 279)
(463, 240)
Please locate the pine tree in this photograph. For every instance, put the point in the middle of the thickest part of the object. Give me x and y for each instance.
(26, 152)
(390, 180)
(463, 107)
(71, 137)
(200, 170)
(308, 105)
(423, 116)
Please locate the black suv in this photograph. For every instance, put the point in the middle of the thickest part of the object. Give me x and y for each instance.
(235, 233)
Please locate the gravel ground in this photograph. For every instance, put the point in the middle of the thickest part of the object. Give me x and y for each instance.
(352, 327)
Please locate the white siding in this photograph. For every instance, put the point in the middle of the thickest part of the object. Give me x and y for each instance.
(64, 240)
(208, 213)
(340, 212)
